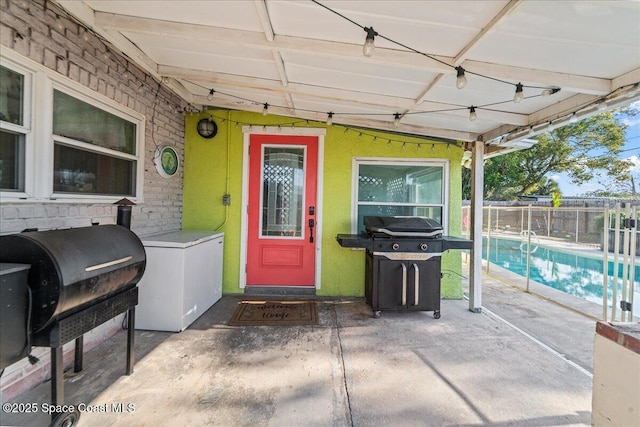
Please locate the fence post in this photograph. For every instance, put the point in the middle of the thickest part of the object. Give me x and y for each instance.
(488, 237)
(528, 244)
(632, 266)
(548, 222)
(616, 257)
(605, 263)
(577, 223)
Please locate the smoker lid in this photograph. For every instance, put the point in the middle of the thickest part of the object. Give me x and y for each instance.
(403, 226)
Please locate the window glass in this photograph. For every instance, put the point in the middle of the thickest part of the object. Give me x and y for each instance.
(78, 120)
(11, 96)
(397, 189)
(282, 191)
(80, 171)
(11, 161)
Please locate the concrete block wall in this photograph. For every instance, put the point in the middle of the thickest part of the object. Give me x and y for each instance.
(31, 29)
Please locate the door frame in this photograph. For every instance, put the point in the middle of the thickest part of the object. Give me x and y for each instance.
(244, 225)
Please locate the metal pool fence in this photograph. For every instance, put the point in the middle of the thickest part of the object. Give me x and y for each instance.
(543, 238)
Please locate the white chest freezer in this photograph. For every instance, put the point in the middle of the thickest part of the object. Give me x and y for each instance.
(182, 280)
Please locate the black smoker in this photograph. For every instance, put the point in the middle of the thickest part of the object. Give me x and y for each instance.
(57, 285)
(403, 261)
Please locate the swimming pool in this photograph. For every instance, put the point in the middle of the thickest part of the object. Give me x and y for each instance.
(571, 273)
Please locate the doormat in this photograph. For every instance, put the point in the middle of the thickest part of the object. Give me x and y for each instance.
(274, 313)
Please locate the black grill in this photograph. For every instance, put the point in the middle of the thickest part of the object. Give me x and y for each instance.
(77, 279)
(403, 262)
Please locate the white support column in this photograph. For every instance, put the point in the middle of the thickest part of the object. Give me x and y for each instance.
(477, 186)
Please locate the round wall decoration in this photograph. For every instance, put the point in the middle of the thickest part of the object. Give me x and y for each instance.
(207, 128)
(166, 161)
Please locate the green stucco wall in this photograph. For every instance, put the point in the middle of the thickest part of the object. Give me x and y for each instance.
(213, 167)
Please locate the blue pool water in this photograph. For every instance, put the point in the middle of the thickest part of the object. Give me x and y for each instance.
(571, 273)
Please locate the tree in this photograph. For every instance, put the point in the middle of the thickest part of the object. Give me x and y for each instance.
(584, 150)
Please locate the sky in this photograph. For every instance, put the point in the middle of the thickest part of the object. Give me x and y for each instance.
(631, 151)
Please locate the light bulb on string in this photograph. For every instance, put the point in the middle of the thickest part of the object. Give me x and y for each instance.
(519, 95)
(404, 145)
(602, 105)
(573, 118)
(472, 113)
(369, 46)
(330, 119)
(265, 110)
(461, 79)
(633, 91)
(550, 91)
(210, 96)
(396, 120)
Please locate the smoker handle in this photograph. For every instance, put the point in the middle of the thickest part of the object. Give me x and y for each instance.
(416, 282)
(404, 284)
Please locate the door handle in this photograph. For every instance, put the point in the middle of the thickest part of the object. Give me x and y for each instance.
(404, 284)
(416, 284)
(312, 223)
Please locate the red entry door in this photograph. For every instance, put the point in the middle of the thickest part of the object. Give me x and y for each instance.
(281, 213)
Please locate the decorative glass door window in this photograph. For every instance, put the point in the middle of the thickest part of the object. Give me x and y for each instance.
(282, 193)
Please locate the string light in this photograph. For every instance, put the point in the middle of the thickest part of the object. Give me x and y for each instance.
(629, 90)
(461, 79)
(472, 113)
(330, 119)
(519, 96)
(265, 110)
(550, 91)
(369, 48)
(396, 120)
(210, 96)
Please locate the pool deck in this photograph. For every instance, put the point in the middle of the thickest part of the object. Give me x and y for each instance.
(522, 361)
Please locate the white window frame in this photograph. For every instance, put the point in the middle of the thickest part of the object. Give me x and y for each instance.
(394, 161)
(39, 106)
(25, 129)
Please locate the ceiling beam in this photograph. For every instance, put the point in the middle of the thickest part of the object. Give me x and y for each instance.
(567, 82)
(506, 11)
(263, 15)
(418, 131)
(337, 95)
(570, 82)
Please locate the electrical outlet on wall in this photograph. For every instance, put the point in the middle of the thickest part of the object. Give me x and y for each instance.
(226, 199)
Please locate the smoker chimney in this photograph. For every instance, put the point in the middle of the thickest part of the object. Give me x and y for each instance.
(124, 212)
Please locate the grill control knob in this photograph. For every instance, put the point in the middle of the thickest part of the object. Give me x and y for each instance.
(395, 246)
(423, 246)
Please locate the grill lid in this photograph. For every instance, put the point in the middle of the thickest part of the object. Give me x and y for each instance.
(402, 226)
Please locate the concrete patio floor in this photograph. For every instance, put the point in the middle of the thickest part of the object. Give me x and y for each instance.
(523, 361)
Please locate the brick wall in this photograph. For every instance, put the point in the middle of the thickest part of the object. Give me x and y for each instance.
(33, 33)
(30, 29)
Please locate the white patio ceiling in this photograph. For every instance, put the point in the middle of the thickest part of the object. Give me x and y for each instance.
(305, 60)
